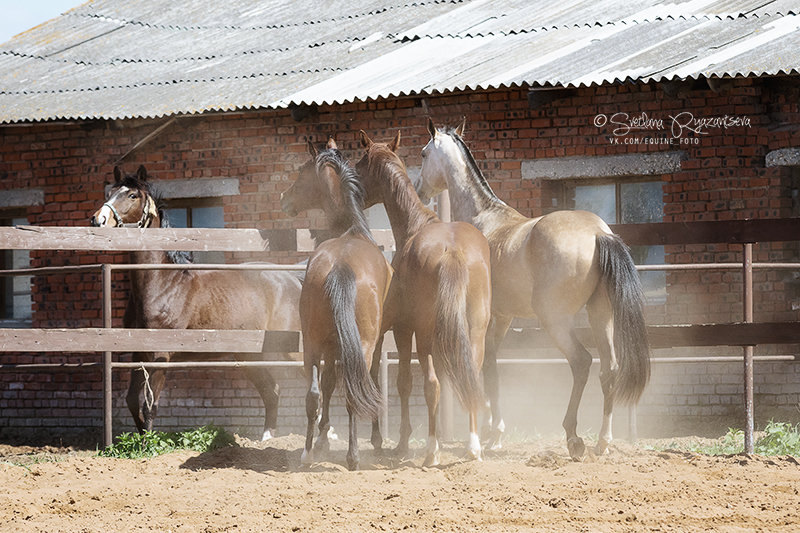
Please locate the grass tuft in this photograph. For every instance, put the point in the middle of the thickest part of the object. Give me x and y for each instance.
(777, 438)
(153, 443)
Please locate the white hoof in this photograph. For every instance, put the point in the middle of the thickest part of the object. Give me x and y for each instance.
(432, 454)
(267, 435)
(307, 457)
(474, 447)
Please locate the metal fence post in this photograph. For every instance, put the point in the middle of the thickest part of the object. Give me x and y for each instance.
(107, 389)
(747, 298)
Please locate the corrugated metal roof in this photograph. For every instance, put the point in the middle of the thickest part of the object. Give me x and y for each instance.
(120, 59)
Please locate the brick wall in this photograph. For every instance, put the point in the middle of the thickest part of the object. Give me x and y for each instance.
(723, 176)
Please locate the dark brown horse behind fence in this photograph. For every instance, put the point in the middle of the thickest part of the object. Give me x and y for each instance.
(193, 299)
(341, 305)
(440, 293)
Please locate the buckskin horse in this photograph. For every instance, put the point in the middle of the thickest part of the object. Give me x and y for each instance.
(441, 293)
(551, 267)
(193, 299)
(342, 302)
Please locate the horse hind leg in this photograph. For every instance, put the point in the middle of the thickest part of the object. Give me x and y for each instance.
(498, 326)
(580, 361)
(432, 392)
(328, 385)
(312, 407)
(601, 319)
(352, 445)
(377, 438)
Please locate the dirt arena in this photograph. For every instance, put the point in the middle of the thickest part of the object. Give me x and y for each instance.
(527, 486)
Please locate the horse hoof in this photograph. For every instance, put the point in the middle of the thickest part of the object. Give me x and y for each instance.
(352, 464)
(268, 434)
(322, 445)
(576, 448)
(602, 447)
(474, 448)
(431, 460)
(474, 455)
(495, 441)
(307, 457)
(401, 451)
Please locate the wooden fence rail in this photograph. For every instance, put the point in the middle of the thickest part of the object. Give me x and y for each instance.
(109, 340)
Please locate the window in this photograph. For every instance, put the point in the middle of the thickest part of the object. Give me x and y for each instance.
(627, 202)
(15, 291)
(198, 213)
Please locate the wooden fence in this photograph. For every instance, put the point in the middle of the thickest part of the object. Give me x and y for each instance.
(109, 340)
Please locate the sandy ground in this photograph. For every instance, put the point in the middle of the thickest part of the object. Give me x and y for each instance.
(527, 486)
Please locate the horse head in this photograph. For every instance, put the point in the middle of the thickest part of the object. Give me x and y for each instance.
(373, 164)
(128, 203)
(314, 188)
(437, 157)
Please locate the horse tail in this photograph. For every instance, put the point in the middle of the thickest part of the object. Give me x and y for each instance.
(451, 340)
(627, 303)
(362, 396)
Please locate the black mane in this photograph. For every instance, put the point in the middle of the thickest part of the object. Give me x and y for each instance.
(352, 191)
(472, 165)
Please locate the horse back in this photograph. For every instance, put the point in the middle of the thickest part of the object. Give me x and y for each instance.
(419, 265)
(372, 274)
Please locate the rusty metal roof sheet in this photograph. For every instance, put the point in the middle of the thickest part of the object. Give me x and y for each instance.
(113, 59)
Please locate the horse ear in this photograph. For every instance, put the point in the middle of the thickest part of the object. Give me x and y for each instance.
(332, 144)
(311, 149)
(460, 128)
(141, 173)
(395, 142)
(117, 174)
(366, 142)
(431, 128)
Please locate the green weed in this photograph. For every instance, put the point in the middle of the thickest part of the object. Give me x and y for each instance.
(152, 443)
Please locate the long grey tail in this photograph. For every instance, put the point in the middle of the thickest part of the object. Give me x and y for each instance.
(361, 393)
(630, 333)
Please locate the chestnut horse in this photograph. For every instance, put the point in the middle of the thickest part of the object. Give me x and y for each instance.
(551, 267)
(341, 305)
(193, 299)
(441, 294)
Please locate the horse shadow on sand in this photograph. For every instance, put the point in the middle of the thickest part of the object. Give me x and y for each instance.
(282, 454)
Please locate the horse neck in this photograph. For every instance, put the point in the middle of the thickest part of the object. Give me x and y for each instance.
(142, 278)
(406, 213)
(471, 197)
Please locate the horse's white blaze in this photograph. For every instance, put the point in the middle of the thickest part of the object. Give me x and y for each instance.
(105, 218)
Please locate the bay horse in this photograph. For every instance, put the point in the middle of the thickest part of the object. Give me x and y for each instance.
(342, 301)
(441, 294)
(551, 267)
(193, 299)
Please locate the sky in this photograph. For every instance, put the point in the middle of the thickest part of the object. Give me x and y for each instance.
(20, 15)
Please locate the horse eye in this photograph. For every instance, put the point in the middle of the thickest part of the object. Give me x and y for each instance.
(132, 196)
